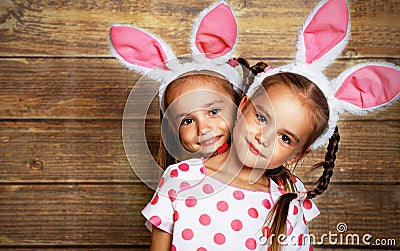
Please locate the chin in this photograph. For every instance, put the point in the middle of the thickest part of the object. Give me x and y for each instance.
(207, 151)
(248, 162)
(255, 163)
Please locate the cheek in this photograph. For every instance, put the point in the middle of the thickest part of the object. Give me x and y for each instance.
(186, 134)
(229, 124)
(247, 125)
(240, 129)
(228, 117)
(223, 124)
(174, 126)
(280, 156)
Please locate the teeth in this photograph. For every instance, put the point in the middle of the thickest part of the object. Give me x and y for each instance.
(208, 141)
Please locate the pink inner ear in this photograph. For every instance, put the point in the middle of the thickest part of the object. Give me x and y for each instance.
(370, 86)
(327, 28)
(216, 35)
(137, 47)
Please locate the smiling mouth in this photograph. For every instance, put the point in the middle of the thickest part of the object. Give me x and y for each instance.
(209, 142)
(253, 149)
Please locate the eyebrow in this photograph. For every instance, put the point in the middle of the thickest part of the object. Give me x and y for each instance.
(205, 106)
(291, 135)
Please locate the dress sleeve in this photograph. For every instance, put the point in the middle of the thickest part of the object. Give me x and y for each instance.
(160, 210)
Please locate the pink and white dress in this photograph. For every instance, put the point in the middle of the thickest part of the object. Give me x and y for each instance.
(203, 213)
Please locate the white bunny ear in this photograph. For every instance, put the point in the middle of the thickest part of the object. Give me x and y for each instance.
(138, 50)
(367, 87)
(214, 32)
(324, 34)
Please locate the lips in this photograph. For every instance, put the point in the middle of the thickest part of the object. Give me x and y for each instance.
(253, 149)
(209, 141)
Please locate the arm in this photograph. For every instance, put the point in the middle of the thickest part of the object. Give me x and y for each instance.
(159, 213)
(160, 240)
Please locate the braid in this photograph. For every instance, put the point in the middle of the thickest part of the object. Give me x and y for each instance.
(247, 77)
(283, 177)
(278, 215)
(328, 165)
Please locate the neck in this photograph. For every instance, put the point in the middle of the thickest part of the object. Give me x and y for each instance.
(227, 168)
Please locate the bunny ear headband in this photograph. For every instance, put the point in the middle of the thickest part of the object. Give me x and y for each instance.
(212, 41)
(361, 89)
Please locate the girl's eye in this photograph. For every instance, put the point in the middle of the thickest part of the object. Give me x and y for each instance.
(214, 111)
(186, 121)
(286, 139)
(261, 118)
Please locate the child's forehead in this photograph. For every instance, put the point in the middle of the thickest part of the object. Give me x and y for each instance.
(197, 82)
(199, 98)
(274, 95)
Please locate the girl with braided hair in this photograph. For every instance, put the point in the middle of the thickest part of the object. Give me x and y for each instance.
(244, 197)
(306, 108)
(301, 115)
(221, 203)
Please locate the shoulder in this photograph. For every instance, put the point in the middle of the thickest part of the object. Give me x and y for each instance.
(182, 175)
(187, 169)
(298, 183)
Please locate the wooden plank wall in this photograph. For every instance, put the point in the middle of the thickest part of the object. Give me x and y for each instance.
(65, 181)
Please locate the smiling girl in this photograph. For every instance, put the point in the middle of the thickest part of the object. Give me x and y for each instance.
(201, 126)
(200, 108)
(211, 205)
(246, 198)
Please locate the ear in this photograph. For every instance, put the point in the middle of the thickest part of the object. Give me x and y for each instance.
(299, 156)
(138, 50)
(324, 34)
(368, 87)
(243, 103)
(214, 32)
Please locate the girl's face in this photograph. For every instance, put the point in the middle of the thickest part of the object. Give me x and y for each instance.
(272, 129)
(203, 113)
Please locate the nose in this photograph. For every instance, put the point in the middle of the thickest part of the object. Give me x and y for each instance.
(265, 136)
(259, 136)
(203, 126)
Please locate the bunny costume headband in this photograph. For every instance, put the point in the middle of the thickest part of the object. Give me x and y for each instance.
(361, 89)
(212, 42)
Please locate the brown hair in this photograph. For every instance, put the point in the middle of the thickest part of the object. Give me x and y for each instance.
(171, 141)
(278, 215)
(314, 100)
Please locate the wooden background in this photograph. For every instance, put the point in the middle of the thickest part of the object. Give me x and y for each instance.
(65, 181)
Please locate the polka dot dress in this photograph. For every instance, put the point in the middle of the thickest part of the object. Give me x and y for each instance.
(204, 214)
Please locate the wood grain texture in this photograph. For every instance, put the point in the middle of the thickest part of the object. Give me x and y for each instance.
(66, 182)
(90, 214)
(93, 151)
(73, 214)
(70, 88)
(65, 28)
